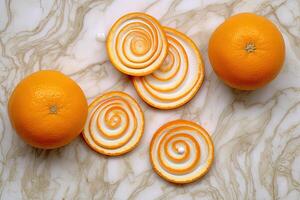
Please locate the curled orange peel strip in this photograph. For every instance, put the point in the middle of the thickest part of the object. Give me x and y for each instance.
(136, 44)
(189, 165)
(178, 79)
(115, 124)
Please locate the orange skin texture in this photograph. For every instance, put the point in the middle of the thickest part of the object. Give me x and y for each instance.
(48, 109)
(238, 67)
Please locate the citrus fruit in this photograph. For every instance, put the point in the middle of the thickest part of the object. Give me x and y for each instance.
(47, 109)
(115, 124)
(246, 51)
(181, 151)
(178, 79)
(136, 44)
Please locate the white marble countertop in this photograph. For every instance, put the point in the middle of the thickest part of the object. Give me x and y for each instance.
(256, 134)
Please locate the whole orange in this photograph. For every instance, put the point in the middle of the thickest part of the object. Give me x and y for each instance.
(48, 109)
(246, 51)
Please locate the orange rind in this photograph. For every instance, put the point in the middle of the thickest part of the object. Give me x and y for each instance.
(178, 79)
(115, 124)
(136, 44)
(181, 151)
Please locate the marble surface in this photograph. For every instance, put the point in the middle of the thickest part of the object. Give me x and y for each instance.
(256, 134)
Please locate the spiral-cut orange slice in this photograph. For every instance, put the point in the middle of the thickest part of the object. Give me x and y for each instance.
(114, 125)
(181, 151)
(178, 78)
(136, 44)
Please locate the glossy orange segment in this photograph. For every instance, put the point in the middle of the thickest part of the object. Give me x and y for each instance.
(179, 77)
(136, 44)
(115, 124)
(181, 151)
(246, 51)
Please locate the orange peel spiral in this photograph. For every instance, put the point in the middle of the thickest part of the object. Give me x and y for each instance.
(178, 78)
(181, 151)
(115, 124)
(136, 44)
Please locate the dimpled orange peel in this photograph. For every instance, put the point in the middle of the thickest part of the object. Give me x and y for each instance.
(178, 78)
(115, 124)
(246, 51)
(136, 44)
(48, 109)
(181, 151)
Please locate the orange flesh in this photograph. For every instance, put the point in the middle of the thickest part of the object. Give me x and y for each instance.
(177, 59)
(101, 131)
(136, 44)
(173, 133)
(115, 109)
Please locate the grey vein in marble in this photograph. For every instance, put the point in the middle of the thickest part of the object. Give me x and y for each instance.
(256, 134)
